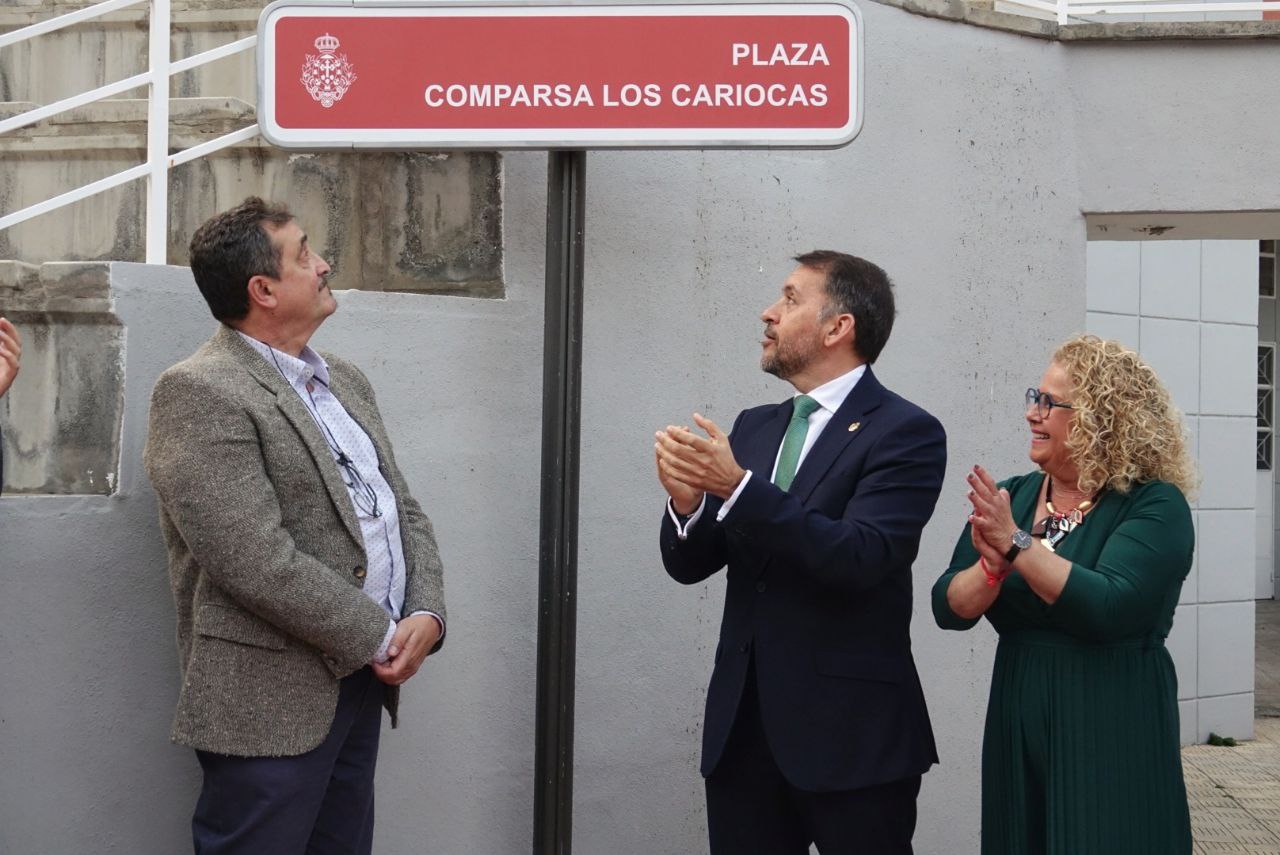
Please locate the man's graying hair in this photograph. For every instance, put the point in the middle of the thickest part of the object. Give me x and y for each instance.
(232, 248)
(856, 287)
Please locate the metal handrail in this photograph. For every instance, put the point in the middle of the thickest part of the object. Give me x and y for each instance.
(1066, 10)
(158, 163)
(65, 20)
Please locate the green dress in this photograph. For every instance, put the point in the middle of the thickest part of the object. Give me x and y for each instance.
(1080, 752)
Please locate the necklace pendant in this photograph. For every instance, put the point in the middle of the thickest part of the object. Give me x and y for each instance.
(1055, 530)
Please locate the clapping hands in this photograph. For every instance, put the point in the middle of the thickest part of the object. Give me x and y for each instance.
(690, 465)
(991, 520)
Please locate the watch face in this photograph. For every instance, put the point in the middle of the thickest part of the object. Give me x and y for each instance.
(1021, 539)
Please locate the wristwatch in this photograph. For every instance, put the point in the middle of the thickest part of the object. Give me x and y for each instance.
(1021, 541)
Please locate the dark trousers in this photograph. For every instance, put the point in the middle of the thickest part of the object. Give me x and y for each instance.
(318, 803)
(752, 810)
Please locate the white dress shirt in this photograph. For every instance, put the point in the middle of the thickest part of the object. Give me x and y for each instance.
(830, 396)
(371, 496)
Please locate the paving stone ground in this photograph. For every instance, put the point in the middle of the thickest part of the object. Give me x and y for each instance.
(1266, 669)
(1234, 793)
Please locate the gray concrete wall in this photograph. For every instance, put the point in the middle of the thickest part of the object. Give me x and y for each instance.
(980, 151)
(1175, 126)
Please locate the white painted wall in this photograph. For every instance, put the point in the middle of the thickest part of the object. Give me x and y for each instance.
(1190, 308)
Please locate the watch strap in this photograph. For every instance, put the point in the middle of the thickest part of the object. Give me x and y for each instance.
(1018, 535)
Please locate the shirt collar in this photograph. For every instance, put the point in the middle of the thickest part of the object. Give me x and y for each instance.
(298, 370)
(831, 395)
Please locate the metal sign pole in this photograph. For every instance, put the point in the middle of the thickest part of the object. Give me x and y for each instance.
(558, 549)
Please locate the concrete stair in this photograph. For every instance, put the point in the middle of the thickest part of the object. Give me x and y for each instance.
(406, 221)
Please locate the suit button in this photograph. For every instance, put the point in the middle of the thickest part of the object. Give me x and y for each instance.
(761, 586)
(358, 572)
(743, 647)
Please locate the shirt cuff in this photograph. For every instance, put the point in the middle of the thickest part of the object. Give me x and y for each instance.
(683, 525)
(381, 656)
(439, 620)
(728, 505)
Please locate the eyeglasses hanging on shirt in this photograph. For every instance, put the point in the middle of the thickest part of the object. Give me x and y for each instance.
(363, 496)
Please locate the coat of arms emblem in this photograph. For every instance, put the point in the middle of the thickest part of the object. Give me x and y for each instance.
(327, 75)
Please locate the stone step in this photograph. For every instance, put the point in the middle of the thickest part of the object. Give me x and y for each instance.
(122, 123)
(82, 57)
(36, 290)
(400, 221)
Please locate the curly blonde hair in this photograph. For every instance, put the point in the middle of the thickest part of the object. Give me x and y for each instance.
(1124, 427)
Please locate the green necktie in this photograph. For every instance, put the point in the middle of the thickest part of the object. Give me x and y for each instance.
(793, 442)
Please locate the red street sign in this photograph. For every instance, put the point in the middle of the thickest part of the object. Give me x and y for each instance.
(559, 75)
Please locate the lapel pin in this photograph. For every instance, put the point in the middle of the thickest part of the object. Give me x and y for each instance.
(854, 426)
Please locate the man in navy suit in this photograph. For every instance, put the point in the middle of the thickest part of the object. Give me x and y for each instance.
(816, 729)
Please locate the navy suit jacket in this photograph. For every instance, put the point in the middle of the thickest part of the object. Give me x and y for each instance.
(819, 591)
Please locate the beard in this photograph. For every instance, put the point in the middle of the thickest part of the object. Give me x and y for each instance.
(788, 358)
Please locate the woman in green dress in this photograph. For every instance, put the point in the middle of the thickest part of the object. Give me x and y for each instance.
(1078, 567)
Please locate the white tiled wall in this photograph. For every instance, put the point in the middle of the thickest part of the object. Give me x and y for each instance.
(1190, 309)
(1228, 461)
(1224, 264)
(1222, 531)
(1173, 349)
(1170, 279)
(1191, 585)
(1112, 273)
(1182, 647)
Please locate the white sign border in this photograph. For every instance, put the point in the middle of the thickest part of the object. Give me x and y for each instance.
(503, 139)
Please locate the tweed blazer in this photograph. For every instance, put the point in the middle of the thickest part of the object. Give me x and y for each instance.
(266, 560)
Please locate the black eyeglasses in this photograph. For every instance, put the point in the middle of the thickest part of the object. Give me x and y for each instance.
(1044, 403)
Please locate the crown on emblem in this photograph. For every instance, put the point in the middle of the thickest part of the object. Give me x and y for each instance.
(327, 43)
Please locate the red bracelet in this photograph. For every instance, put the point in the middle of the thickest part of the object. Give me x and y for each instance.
(993, 579)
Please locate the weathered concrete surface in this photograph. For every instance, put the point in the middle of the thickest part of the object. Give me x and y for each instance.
(986, 13)
(87, 55)
(408, 221)
(62, 416)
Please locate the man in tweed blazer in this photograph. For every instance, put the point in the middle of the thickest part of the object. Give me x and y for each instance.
(306, 578)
